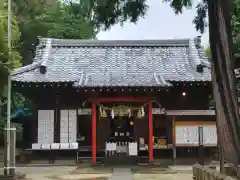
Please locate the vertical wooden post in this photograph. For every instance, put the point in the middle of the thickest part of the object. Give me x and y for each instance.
(150, 134)
(200, 146)
(57, 119)
(174, 139)
(94, 132)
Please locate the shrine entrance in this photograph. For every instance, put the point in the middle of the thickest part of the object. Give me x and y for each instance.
(122, 128)
(123, 143)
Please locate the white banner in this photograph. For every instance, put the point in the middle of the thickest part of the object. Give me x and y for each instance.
(45, 126)
(68, 126)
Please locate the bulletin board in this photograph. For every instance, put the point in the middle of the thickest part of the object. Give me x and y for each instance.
(186, 134)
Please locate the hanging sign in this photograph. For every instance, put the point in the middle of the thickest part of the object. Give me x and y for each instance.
(84, 111)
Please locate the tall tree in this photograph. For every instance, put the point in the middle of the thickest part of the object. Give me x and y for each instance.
(68, 21)
(50, 18)
(110, 12)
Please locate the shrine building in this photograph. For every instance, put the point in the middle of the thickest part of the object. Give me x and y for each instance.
(98, 99)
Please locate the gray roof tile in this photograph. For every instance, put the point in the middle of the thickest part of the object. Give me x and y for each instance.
(115, 63)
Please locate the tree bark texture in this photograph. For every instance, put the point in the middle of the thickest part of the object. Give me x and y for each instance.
(224, 80)
(219, 113)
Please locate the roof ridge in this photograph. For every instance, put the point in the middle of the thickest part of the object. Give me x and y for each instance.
(91, 42)
(29, 67)
(47, 52)
(193, 51)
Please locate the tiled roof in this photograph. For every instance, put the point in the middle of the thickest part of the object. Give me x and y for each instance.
(115, 63)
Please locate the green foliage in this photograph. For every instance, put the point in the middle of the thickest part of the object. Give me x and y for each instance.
(200, 19)
(67, 21)
(51, 18)
(18, 127)
(208, 52)
(5, 60)
(235, 32)
(110, 12)
(236, 20)
(28, 10)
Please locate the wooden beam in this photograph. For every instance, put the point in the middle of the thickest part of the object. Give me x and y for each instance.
(87, 111)
(196, 112)
(190, 112)
(121, 99)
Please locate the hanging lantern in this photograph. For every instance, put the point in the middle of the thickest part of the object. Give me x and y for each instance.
(143, 112)
(139, 115)
(112, 114)
(131, 123)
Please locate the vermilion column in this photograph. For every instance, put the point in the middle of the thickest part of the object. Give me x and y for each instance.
(94, 131)
(150, 134)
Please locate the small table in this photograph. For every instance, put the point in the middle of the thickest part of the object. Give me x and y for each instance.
(52, 153)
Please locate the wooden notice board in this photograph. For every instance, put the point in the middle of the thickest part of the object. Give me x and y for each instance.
(186, 134)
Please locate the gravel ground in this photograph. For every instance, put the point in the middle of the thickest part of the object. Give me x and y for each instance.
(66, 173)
(43, 173)
(183, 176)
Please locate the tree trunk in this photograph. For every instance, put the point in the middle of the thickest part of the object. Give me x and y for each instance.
(219, 114)
(227, 114)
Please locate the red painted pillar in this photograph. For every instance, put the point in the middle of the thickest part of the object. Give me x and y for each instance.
(150, 134)
(94, 133)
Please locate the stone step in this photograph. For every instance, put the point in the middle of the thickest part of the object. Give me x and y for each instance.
(122, 173)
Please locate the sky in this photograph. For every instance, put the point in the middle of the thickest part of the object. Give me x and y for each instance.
(159, 23)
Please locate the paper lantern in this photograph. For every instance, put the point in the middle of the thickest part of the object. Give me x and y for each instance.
(131, 123)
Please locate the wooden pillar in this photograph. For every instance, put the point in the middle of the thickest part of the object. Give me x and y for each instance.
(36, 105)
(150, 134)
(94, 131)
(57, 119)
(174, 139)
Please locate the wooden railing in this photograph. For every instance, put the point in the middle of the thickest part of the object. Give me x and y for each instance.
(207, 173)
